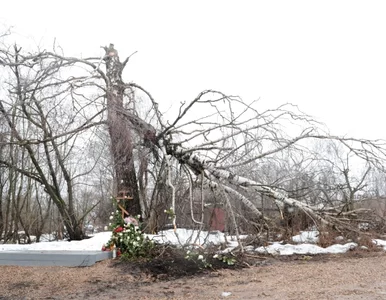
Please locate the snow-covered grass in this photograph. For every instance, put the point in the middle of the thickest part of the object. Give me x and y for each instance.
(306, 243)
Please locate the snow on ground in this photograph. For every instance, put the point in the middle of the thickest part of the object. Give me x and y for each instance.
(94, 243)
(306, 240)
(306, 237)
(380, 243)
(288, 249)
(184, 236)
(188, 236)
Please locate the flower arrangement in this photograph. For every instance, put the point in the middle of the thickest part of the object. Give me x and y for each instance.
(127, 238)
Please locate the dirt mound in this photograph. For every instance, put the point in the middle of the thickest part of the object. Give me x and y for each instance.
(169, 263)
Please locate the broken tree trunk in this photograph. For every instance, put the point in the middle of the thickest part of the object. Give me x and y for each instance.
(120, 132)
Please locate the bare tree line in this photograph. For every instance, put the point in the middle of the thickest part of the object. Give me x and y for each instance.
(73, 133)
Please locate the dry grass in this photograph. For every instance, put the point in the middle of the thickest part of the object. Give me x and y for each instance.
(327, 238)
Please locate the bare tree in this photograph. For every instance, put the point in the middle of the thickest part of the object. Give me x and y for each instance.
(219, 141)
(351, 184)
(37, 96)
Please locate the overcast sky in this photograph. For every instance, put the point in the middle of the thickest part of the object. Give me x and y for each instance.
(327, 57)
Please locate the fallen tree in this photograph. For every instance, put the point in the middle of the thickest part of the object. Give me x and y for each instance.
(217, 171)
(222, 141)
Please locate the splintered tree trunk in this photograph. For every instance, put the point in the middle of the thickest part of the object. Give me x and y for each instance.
(119, 130)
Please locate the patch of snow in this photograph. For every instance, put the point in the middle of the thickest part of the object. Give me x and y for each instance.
(226, 294)
(188, 236)
(234, 237)
(288, 249)
(248, 248)
(336, 249)
(306, 237)
(233, 244)
(381, 243)
(94, 243)
(227, 250)
(48, 237)
(339, 238)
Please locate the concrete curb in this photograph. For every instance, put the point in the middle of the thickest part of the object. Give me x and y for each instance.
(53, 258)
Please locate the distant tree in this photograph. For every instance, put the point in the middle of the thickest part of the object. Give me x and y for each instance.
(42, 122)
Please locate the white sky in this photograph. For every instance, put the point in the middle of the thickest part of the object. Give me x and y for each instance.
(328, 57)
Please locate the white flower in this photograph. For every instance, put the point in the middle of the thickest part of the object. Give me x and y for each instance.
(111, 217)
(135, 244)
(215, 256)
(187, 252)
(165, 211)
(200, 257)
(109, 224)
(138, 238)
(139, 216)
(112, 213)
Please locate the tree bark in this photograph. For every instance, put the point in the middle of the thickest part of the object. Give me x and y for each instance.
(120, 133)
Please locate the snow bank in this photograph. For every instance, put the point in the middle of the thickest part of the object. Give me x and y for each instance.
(94, 243)
(188, 236)
(288, 249)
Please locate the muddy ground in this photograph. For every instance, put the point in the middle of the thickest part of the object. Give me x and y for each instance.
(355, 275)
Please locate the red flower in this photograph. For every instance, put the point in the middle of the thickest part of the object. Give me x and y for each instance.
(103, 248)
(118, 252)
(118, 229)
